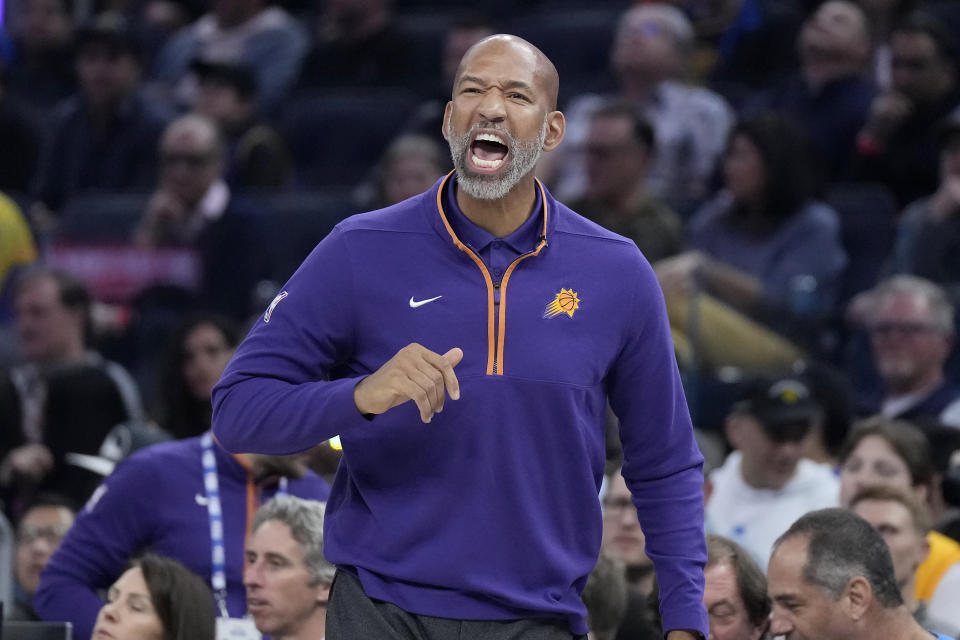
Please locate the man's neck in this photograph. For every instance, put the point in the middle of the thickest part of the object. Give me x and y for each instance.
(72, 354)
(504, 216)
(312, 628)
(920, 386)
(897, 622)
(818, 73)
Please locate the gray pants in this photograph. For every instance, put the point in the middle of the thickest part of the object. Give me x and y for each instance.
(352, 615)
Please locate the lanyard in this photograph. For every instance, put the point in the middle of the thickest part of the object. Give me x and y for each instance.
(211, 485)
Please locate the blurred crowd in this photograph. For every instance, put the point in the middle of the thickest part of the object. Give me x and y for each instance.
(790, 168)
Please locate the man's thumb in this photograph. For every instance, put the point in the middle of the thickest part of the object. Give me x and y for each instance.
(454, 356)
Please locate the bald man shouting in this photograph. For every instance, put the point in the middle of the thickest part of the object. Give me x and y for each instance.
(463, 344)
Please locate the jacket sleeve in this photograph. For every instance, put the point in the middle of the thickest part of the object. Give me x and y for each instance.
(108, 532)
(276, 395)
(662, 465)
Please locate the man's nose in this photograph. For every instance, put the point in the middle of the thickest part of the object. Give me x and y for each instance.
(492, 106)
(779, 625)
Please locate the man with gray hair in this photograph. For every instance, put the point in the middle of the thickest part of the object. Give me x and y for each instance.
(831, 578)
(911, 334)
(287, 578)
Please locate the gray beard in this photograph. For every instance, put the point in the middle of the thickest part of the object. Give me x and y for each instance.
(523, 158)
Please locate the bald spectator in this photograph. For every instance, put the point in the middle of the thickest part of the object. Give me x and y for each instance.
(618, 150)
(194, 208)
(904, 521)
(649, 55)
(830, 95)
(735, 592)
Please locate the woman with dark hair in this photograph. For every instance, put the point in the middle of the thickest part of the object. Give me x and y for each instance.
(157, 599)
(763, 247)
(196, 355)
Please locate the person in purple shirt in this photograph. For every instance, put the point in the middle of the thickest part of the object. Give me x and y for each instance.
(485, 522)
(160, 499)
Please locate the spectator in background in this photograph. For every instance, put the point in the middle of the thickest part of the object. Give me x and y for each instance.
(265, 38)
(764, 483)
(64, 399)
(286, 576)
(831, 577)
(928, 235)
(904, 521)
(105, 136)
(883, 15)
(39, 533)
(911, 326)
(887, 452)
(409, 166)
(734, 592)
(831, 93)
(41, 73)
(160, 499)
(898, 144)
(19, 142)
(764, 247)
(356, 44)
(618, 148)
(605, 597)
(193, 207)
(157, 599)
(17, 249)
(197, 353)
(465, 31)
(257, 156)
(623, 539)
(690, 124)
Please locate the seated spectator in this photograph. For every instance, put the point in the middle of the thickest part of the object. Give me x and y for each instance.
(356, 44)
(831, 576)
(257, 156)
(764, 247)
(41, 71)
(64, 399)
(904, 521)
(623, 539)
(194, 208)
(831, 93)
(886, 452)
(39, 532)
(409, 166)
(618, 149)
(104, 137)
(928, 234)
(911, 326)
(883, 16)
(165, 499)
(734, 592)
(266, 38)
(287, 578)
(197, 354)
(690, 124)
(605, 596)
(157, 599)
(764, 483)
(898, 144)
(465, 31)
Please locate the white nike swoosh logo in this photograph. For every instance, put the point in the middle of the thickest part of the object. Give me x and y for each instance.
(419, 303)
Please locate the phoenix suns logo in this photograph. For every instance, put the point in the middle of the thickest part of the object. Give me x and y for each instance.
(566, 302)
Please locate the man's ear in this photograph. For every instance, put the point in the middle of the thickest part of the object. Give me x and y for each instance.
(323, 594)
(857, 597)
(556, 130)
(447, 111)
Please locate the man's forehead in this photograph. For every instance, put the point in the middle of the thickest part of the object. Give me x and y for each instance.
(527, 63)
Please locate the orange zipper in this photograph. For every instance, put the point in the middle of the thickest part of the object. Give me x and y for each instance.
(495, 324)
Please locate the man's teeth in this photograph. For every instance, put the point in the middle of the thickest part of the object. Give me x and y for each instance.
(487, 164)
(489, 137)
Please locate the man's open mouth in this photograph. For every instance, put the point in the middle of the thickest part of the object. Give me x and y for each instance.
(488, 151)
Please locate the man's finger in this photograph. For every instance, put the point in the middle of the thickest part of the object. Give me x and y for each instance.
(419, 396)
(451, 359)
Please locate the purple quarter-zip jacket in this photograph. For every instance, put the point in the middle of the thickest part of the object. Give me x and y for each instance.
(490, 511)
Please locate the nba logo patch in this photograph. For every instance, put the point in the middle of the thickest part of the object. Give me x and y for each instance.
(566, 302)
(273, 305)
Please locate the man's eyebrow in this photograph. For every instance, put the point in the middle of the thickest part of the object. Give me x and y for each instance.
(722, 603)
(510, 84)
(473, 79)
